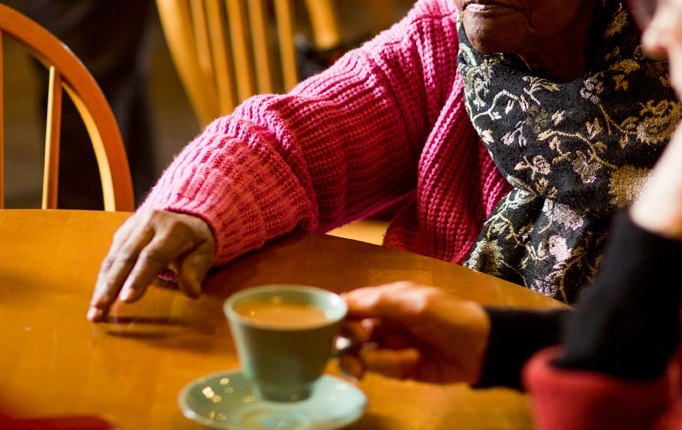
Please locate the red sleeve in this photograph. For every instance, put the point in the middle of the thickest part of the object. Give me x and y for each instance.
(564, 399)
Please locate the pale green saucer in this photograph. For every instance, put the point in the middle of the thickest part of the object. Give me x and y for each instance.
(226, 400)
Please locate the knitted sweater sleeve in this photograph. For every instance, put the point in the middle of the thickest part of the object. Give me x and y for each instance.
(564, 399)
(343, 144)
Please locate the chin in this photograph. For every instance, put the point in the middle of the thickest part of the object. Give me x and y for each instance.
(486, 37)
(492, 44)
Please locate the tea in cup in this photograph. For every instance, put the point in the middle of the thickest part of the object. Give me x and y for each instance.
(284, 336)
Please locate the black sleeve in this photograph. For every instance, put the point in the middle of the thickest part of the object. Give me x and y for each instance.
(628, 324)
(515, 335)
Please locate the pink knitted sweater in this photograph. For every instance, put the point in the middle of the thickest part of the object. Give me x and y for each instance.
(386, 123)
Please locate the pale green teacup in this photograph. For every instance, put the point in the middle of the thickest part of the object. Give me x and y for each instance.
(284, 335)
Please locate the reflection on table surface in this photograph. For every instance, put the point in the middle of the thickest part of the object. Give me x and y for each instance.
(130, 370)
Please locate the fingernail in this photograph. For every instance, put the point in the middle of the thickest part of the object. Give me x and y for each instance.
(127, 294)
(95, 314)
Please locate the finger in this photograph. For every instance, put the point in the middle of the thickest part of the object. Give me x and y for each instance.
(387, 335)
(116, 267)
(97, 314)
(400, 364)
(356, 331)
(352, 366)
(403, 301)
(193, 270)
(180, 240)
(152, 260)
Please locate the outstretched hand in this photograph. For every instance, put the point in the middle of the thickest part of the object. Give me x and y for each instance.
(147, 244)
(408, 331)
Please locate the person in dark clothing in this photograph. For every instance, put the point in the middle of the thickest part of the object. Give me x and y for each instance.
(112, 39)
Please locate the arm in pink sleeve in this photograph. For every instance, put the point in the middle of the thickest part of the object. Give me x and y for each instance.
(342, 145)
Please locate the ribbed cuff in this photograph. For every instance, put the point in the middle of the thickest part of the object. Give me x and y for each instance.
(571, 399)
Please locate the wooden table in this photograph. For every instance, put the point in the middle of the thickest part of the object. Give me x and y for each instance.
(55, 362)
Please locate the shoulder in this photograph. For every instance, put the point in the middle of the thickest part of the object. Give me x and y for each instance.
(428, 32)
(435, 8)
(433, 14)
(424, 20)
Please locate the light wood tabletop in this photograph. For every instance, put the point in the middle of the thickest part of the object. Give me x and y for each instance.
(130, 370)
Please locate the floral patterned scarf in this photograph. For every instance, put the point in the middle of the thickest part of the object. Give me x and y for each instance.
(575, 153)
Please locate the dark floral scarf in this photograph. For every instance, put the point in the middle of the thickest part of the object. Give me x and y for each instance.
(575, 153)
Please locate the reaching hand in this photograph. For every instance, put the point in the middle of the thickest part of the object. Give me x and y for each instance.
(408, 331)
(148, 243)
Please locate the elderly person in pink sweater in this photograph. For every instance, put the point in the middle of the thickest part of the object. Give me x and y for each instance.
(508, 132)
(612, 364)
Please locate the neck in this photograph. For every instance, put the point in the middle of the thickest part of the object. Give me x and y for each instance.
(568, 65)
(563, 58)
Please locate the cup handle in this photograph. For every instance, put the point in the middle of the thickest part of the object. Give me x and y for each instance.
(345, 349)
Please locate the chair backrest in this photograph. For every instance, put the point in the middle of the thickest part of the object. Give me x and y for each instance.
(228, 50)
(67, 73)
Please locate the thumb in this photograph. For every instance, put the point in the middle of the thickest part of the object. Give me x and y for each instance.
(192, 273)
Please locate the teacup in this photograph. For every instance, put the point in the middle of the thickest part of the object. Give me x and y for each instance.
(284, 335)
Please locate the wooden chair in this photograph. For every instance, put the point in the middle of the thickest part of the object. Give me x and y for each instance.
(228, 50)
(66, 72)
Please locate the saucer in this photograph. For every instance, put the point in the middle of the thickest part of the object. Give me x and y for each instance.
(227, 400)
